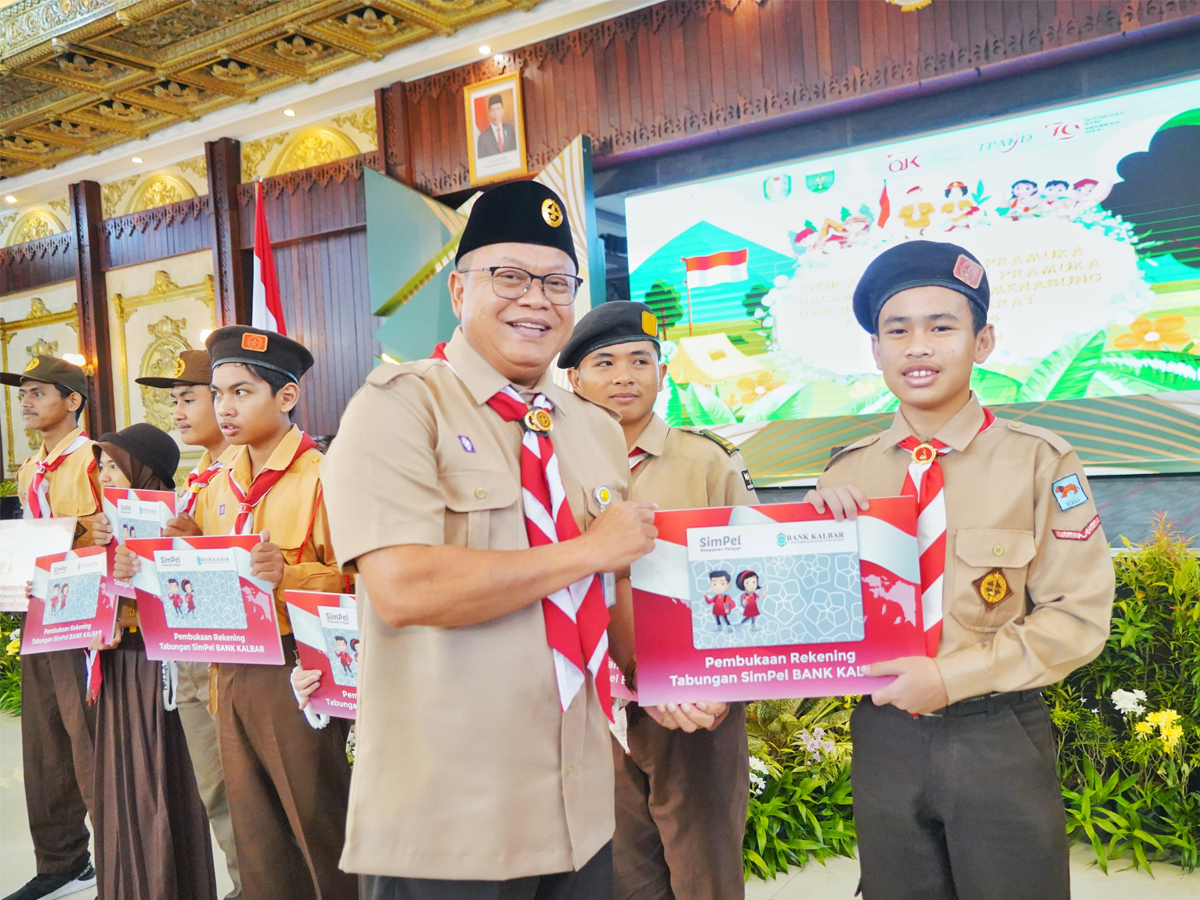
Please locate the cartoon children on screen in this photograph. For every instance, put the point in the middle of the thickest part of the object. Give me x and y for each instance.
(747, 583)
(54, 597)
(174, 595)
(342, 652)
(190, 596)
(720, 601)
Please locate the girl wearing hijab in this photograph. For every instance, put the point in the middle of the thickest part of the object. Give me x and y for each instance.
(152, 839)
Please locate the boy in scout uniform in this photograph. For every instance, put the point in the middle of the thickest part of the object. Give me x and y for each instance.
(683, 787)
(195, 418)
(286, 782)
(955, 789)
(480, 505)
(58, 728)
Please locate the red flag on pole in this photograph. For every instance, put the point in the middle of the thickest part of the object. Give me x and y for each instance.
(266, 312)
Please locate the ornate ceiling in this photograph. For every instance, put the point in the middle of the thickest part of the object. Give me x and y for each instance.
(77, 76)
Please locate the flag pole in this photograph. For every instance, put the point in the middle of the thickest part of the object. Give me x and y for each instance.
(687, 287)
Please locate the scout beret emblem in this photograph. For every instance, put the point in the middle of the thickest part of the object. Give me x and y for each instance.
(968, 271)
(179, 367)
(992, 588)
(33, 364)
(923, 454)
(650, 324)
(539, 420)
(255, 342)
(551, 213)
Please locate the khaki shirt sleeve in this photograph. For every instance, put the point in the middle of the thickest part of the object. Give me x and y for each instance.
(89, 499)
(1070, 584)
(728, 483)
(381, 474)
(313, 567)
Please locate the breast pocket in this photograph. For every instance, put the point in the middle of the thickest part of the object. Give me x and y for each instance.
(981, 554)
(482, 509)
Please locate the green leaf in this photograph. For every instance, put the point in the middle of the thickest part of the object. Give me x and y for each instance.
(1066, 372)
(677, 413)
(790, 401)
(704, 407)
(994, 387)
(1150, 371)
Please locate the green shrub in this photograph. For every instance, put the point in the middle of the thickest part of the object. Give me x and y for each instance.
(10, 664)
(1128, 730)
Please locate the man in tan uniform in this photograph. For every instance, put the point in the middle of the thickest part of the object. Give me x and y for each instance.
(195, 418)
(483, 766)
(58, 726)
(681, 797)
(955, 789)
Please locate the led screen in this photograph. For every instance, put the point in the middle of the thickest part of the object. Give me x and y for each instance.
(1086, 217)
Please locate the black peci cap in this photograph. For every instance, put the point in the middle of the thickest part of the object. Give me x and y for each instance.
(615, 322)
(150, 446)
(255, 347)
(51, 370)
(191, 367)
(522, 212)
(917, 264)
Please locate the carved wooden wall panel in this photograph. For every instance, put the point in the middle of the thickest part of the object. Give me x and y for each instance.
(692, 67)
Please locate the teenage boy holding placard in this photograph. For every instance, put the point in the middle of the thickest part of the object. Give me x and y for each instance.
(58, 728)
(287, 783)
(955, 788)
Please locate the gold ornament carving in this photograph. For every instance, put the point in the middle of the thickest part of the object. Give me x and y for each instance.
(33, 225)
(167, 342)
(66, 129)
(236, 73)
(254, 152)
(172, 92)
(82, 67)
(37, 308)
(121, 112)
(159, 190)
(371, 24)
(24, 145)
(197, 165)
(363, 120)
(314, 147)
(60, 204)
(163, 284)
(297, 49)
(112, 193)
(7, 220)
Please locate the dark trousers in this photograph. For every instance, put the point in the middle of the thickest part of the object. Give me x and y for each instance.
(58, 731)
(288, 786)
(593, 882)
(681, 810)
(959, 808)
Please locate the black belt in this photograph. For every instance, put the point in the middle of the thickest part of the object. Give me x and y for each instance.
(974, 706)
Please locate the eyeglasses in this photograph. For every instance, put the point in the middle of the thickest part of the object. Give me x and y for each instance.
(512, 283)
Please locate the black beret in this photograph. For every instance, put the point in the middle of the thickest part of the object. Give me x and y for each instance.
(51, 370)
(150, 446)
(255, 347)
(191, 367)
(521, 212)
(615, 322)
(917, 264)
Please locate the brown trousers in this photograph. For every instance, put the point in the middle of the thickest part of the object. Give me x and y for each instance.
(200, 728)
(681, 810)
(58, 731)
(152, 839)
(288, 786)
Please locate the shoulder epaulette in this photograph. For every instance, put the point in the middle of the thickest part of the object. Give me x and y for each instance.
(839, 452)
(724, 443)
(1059, 443)
(388, 372)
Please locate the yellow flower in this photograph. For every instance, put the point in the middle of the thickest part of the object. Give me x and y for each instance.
(1146, 335)
(753, 388)
(1171, 735)
(13, 648)
(1143, 729)
(1163, 718)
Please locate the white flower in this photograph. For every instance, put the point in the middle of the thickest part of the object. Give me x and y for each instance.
(757, 765)
(1129, 702)
(758, 784)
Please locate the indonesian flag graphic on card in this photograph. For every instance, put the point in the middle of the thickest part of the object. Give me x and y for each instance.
(720, 268)
(761, 602)
(266, 312)
(198, 602)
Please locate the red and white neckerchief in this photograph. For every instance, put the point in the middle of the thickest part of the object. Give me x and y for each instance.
(185, 503)
(260, 487)
(925, 482)
(635, 457)
(576, 616)
(38, 499)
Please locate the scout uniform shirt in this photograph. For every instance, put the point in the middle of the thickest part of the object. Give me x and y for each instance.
(293, 511)
(688, 470)
(74, 485)
(466, 766)
(1017, 501)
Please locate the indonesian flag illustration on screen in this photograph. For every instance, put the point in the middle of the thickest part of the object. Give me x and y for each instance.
(720, 268)
(760, 602)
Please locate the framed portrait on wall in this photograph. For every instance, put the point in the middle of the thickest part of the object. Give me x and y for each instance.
(495, 128)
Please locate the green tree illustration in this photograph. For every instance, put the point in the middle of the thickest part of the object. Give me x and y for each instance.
(663, 299)
(753, 299)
